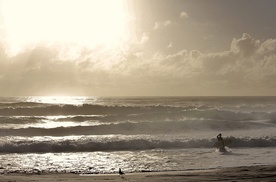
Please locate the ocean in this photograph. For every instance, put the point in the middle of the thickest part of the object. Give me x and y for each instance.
(91, 135)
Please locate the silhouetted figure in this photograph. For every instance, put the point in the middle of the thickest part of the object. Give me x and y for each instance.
(220, 139)
(120, 172)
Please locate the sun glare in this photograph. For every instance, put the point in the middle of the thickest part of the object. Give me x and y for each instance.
(58, 100)
(84, 22)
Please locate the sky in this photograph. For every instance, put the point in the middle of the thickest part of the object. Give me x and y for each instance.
(137, 47)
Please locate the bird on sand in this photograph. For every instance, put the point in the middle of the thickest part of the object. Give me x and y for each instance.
(121, 172)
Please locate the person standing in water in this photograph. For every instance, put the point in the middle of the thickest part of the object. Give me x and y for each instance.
(220, 139)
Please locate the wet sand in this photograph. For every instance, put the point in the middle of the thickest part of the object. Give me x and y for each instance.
(237, 174)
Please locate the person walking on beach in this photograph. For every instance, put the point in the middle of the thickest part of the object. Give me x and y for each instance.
(220, 139)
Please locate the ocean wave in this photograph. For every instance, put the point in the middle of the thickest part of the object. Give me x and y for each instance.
(122, 143)
(85, 109)
(266, 141)
(138, 113)
(138, 127)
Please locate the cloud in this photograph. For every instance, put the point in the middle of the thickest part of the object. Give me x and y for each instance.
(170, 45)
(156, 25)
(37, 71)
(247, 68)
(268, 47)
(183, 15)
(245, 45)
(163, 24)
(145, 38)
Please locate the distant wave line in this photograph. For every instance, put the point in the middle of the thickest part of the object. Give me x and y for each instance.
(145, 127)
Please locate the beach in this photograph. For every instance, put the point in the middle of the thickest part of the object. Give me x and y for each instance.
(245, 173)
(149, 138)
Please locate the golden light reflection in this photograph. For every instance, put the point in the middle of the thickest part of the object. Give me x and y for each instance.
(83, 22)
(60, 100)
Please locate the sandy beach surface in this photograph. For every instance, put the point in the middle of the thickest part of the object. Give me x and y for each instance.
(246, 173)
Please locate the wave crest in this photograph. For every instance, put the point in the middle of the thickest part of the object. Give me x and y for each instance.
(119, 144)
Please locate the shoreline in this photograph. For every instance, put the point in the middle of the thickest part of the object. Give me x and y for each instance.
(244, 173)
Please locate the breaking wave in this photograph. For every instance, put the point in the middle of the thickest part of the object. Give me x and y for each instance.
(148, 116)
(120, 144)
(133, 117)
(143, 127)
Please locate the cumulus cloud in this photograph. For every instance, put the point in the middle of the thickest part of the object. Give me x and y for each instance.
(268, 47)
(183, 15)
(247, 68)
(170, 45)
(163, 24)
(245, 45)
(145, 38)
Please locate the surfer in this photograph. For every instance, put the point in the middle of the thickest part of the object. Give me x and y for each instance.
(220, 139)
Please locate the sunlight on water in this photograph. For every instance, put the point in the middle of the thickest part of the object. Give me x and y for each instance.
(52, 124)
(99, 135)
(134, 161)
(60, 100)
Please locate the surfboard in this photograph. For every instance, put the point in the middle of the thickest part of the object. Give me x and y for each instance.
(218, 144)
